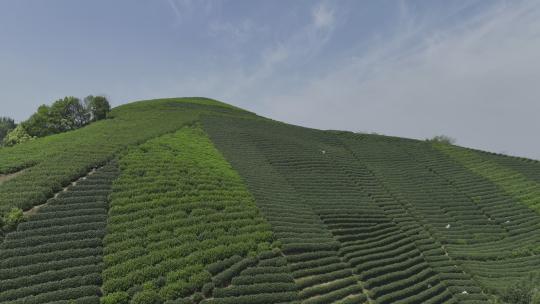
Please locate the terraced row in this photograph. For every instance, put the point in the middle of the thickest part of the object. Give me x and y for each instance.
(406, 276)
(176, 208)
(57, 254)
(484, 230)
(365, 221)
(253, 280)
(524, 187)
(53, 162)
(321, 274)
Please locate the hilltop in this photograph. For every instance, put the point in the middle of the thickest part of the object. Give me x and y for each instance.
(191, 200)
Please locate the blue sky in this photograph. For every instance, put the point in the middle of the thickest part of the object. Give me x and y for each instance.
(467, 69)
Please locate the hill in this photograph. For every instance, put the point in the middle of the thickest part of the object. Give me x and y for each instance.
(191, 200)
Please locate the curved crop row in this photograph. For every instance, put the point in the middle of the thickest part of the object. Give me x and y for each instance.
(176, 209)
(53, 162)
(379, 237)
(57, 254)
(476, 223)
(311, 251)
(513, 182)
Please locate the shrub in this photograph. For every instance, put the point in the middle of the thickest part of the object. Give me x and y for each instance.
(120, 297)
(17, 136)
(443, 139)
(524, 291)
(147, 297)
(12, 218)
(6, 124)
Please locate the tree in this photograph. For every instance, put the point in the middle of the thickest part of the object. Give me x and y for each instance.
(6, 124)
(63, 115)
(39, 124)
(17, 136)
(67, 114)
(97, 106)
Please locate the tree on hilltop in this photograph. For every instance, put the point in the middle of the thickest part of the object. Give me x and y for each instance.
(97, 107)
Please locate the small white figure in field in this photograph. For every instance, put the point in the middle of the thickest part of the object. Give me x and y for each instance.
(508, 221)
(448, 226)
(464, 292)
(323, 151)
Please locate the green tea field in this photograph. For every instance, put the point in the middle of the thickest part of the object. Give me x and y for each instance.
(190, 200)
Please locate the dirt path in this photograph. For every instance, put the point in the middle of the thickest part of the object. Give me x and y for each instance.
(36, 208)
(6, 177)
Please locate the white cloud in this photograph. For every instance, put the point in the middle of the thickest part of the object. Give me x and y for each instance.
(478, 82)
(323, 16)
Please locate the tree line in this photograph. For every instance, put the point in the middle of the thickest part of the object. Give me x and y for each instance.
(66, 114)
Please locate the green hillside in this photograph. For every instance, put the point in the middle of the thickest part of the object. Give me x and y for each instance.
(191, 200)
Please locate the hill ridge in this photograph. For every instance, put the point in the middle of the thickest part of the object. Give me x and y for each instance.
(202, 202)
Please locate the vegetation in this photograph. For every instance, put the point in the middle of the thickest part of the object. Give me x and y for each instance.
(56, 255)
(523, 188)
(177, 208)
(194, 201)
(6, 124)
(52, 162)
(63, 115)
(443, 139)
(16, 136)
(525, 291)
(97, 107)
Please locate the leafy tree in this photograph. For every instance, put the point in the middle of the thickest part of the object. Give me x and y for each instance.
(97, 106)
(67, 114)
(17, 136)
(39, 124)
(6, 124)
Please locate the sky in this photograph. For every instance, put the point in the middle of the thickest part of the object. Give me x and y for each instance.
(466, 69)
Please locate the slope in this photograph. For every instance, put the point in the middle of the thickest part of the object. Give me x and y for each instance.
(196, 201)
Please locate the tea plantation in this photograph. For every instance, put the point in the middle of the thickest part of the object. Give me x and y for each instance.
(190, 200)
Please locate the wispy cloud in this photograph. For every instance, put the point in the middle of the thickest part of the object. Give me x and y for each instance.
(175, 9)
(323, 16)
(477, 81)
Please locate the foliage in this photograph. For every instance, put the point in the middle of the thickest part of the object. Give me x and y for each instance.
(63, 115)
(120, 297)
(6, 124)
(515, 183)
(308, 217)
(12, 218)
(180, 198)
(55, 161)
(146, 297)
(97, 107)
(57, 252)
(17, 136)
(404, 216)
(67, 114)
(524, 291)
(443, 139)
